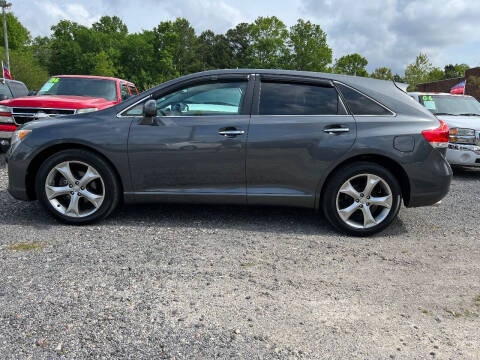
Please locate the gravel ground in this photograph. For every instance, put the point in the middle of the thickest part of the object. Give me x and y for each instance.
(196, 282)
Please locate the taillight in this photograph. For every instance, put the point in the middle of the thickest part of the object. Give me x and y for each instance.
(438, 137)
(6, 117)
(11, 128)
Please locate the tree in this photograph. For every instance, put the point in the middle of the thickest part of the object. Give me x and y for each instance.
(268, 36)
(382, 73)
(239, 41)
(455, 71)
(18, 35)
(353, 64)
(418, 71)
(308, 47)
(27, 68)
(435, 74)
(214, 51)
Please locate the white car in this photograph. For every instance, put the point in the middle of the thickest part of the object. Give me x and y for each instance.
(462, 115)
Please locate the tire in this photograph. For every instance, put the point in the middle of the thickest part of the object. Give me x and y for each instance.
(82, 187)
(347, 208)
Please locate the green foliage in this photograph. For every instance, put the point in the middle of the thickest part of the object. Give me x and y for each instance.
(454, 71)
(308, 47)
(382, 73)
(268, 37)
(353, 64)
(417, 72)
(435, 74)
(173, 49)
(18, 35)
(27, 69)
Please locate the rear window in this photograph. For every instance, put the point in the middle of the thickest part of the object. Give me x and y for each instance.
(359, 104)
(4, 90)
(18, 89)
(297, 99)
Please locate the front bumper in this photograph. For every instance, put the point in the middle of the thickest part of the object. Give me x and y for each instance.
(465, 155)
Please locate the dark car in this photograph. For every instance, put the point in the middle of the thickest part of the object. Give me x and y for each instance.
(351, 146)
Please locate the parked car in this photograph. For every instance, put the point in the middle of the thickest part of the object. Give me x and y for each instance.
(9, 89)
(351, 146)
(63, 95)
(462, 114)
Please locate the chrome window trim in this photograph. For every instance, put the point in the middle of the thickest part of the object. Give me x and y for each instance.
(392, 113)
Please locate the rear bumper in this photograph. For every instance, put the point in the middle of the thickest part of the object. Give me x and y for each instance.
(429, 180)
(465, 155)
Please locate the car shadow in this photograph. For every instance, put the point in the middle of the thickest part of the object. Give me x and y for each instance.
(466, 173)
(285, 220)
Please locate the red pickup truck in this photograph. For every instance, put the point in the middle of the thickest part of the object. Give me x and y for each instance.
(62, 95)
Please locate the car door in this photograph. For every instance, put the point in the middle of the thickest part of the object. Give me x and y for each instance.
(298, 127)
(196, 148)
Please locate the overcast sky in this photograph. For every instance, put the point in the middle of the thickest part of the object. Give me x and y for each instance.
(387, 32)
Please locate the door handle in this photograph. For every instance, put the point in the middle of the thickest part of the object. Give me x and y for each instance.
(231, 132)
(336, 130)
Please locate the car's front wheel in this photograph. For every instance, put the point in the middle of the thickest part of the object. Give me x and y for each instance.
(361, 198)
(77, 186)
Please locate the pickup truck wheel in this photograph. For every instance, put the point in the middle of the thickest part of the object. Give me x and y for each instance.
(77, 186)
(361, 199)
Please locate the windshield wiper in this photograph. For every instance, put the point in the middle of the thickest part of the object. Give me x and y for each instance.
(444, 113)
(469, 114)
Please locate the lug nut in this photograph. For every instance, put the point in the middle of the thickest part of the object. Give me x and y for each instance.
(70, 185)
(82, 188)
(361, 206)
(76, 183)
(358, 200)
(368, 197)
(71, 192)
(368, 204)
(361, 195)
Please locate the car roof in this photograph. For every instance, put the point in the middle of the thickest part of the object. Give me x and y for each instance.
(94, 77)
(386, 92)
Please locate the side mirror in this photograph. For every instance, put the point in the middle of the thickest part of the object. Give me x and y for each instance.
(32, 93)
(3, 97)
(149, 112)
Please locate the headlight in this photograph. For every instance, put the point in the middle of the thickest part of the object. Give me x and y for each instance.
(86, 110)
(18, 136)
(5, 114)
(462, 136)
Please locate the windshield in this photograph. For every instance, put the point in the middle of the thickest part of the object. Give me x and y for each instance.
(99, 88)
(451, 104)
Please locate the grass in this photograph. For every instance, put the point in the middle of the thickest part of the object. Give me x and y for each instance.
(24, 246)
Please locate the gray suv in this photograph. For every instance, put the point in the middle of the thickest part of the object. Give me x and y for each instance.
(349, 146)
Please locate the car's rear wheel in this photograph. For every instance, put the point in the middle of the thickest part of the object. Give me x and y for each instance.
(77, 186)
(361, 198)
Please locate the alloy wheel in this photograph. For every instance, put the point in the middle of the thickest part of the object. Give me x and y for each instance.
(75, 189)
(364, 201)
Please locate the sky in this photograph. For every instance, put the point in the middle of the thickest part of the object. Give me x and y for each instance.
(387, 32)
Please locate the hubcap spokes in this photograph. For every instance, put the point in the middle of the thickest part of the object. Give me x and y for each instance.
(364, 201)
(75, 189)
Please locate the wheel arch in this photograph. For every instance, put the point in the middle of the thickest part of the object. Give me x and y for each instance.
(44, 154)
(393, 166)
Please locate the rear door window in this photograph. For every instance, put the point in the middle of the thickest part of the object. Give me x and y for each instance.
(282, 98)
(359, 104)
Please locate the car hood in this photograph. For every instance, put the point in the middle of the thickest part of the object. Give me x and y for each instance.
(468, 122)
(58, 102)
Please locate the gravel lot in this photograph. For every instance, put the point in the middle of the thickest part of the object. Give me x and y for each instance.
(195, 282)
